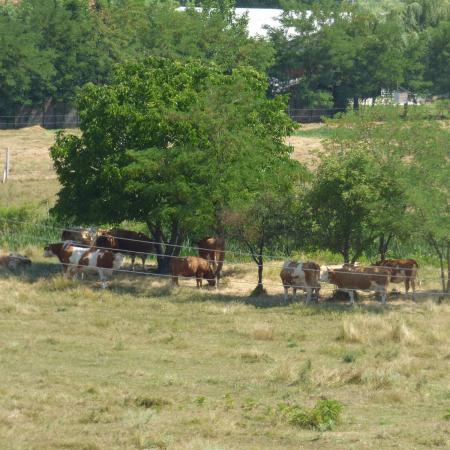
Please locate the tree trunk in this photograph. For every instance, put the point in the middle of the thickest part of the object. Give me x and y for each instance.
(441, 260)
(384, 245)
(260, 272)
(448, 266)
(166, 248)
(346, 250)
(356, 103)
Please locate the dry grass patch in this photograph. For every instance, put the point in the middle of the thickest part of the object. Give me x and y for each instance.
(363, 329)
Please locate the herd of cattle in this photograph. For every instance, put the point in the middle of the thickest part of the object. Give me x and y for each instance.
(104, 251)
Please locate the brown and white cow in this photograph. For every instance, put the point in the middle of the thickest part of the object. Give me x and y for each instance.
(191, 266)
(78, 259)
(350, 279)
(104, 262)
(128, 242)
(84, 236)
(401, 270)
(213, 249)
(301, 276)
(14, 261)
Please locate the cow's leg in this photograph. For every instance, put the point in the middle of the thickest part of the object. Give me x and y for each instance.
(413, 287)
(383, 296)
(175, 280)
(133, 257)
(308, 294)
(406, 285)
(102, 277)
(352, 297)
(294, 292)
(144, 258)
(286, 290)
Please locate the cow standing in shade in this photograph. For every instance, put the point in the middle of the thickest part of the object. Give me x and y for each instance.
(213, 249)
(128, 242)
(75, 259)
(192, 266)
(301, 276)
(350, 279)
(401, 270)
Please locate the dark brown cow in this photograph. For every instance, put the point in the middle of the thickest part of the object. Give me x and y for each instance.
(350, 279)
(301, 276)
(85, 236)
(401, 270)
(128, 242)
(213, 249)
(191, 266)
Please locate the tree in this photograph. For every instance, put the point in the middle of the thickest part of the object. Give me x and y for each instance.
(438, 56)
(169, 144)
(340, 48)
(25, 72)
(264, 221)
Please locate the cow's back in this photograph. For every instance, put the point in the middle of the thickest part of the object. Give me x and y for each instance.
(132, 241)
(360, 277)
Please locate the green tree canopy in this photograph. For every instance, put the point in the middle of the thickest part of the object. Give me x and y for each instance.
(170, 144)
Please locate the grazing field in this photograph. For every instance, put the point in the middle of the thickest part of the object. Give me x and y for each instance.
(144, 365)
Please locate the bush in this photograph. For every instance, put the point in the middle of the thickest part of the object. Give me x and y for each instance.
(324, 416)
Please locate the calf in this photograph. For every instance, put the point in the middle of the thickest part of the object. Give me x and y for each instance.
(301, 276)
(128, 242)
(350, 279)
(213, 249)
(401, 270)
(14, 261)
(191, 266)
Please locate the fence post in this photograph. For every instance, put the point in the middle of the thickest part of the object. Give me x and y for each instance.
(6, 166)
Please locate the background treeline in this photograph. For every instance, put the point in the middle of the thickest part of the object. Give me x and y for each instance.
(342, 51)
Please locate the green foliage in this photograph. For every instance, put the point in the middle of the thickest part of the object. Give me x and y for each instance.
(438, 67)
(323, 417)
(170, 144)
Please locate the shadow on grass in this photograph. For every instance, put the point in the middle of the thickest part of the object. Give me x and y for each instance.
(137, 285)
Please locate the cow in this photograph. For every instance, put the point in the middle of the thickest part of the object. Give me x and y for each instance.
(301, 276)
(213, 249)
(350, 279)
(14, 261)
(127, 242)
(68, 254)
(84, 236)
(401, 270)
(79, 259)
(103, 261)
(191, 266)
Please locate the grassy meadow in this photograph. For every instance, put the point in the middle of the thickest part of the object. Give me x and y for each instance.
(143, 365)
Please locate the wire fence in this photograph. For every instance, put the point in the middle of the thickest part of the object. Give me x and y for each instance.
(71, 119)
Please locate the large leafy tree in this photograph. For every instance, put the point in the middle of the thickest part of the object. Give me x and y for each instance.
(170, 144)
(340, 49)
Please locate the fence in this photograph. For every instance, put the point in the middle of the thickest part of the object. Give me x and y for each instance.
(46, 118)
(309, 115)
(48, 115)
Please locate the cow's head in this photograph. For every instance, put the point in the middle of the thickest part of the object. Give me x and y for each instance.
(49, 250)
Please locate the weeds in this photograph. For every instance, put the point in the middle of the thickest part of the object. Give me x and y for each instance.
(323, 417)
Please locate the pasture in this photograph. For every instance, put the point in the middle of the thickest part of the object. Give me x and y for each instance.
(144, 365)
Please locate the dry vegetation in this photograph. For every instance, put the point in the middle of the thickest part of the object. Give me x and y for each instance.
(144, 365)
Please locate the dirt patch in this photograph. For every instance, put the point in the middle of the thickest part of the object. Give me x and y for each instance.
(305, 149)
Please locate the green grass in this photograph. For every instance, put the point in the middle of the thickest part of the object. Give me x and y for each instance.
(144, 365)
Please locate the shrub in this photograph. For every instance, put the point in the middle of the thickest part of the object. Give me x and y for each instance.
(324, 416)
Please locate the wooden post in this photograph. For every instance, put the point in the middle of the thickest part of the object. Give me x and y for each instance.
(6, 166)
